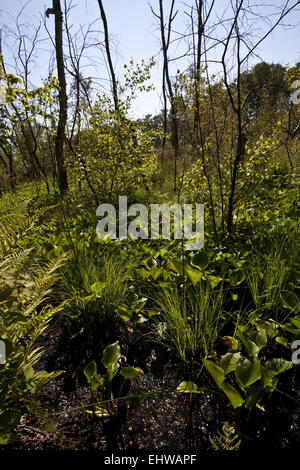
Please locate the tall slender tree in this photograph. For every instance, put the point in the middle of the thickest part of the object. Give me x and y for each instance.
(63, 101)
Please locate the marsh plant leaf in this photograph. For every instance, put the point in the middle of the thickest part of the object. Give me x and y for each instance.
(248, 371)
(278, 365)
(187, 387)
(232, 394)
(251, 348)
(215, 371)
(200, 259)
(230, 361)
(290, 300)
(236, 277)
(253, 394)
(283, 341)
(90, 370)
(231, 342)
(194, 275)
(269, 380)
(261, 339)
(177, 266)
(97, 287)
(129, 372)
(111, 354)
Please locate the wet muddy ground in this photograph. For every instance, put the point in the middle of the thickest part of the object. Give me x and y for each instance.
(155, 417)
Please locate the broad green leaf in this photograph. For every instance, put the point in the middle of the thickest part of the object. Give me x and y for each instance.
(213, 280)
(96, 382)
(194, 275)
(278, 365)
(155, 272)
(90, 370)
(283, 341)
(5, 292)
(232, 394)
(112, 370)
(28, 372)
(270, 327)
(248, 371)
(252, 395)
(269, 379)
(236, 277)
(177, 266)
(200, 259)
(290, 300)
(129, 372)
(230, 361)
(124, 313)
(97, 287)
(187, 387)
(261, 339)
(251, 348)
(9, 420)
(7, 438)
(295, 321)
(215, 371)
(231, 342)
(111, 354)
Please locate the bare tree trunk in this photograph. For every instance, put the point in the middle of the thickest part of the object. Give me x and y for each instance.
(165, 44)
(63, 102)
(110, 64)
(10, 167)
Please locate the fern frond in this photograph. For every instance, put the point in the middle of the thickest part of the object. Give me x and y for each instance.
(227, 439)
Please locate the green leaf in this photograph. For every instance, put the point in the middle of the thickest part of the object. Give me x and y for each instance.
(28, 372)
(97, 287)
(96, 382)
(290, 300)
(194, 275)
(124, 313)
(248, 372)
(270, 327)
(295, 321)
(90, 370)
(129, 372)
(215, 371)
(187, 387)
(5, 292)
(230, 361)
(9, 420)
(252, 395)
(200, 259)
(270, 381)
(236, 277)
(261, 339)
(7, 438)
(278, 365)
(177, 266)
(232, 394)
(213, 280)
(231, 342)
(283, 341)
(111, 354)
(251, 348)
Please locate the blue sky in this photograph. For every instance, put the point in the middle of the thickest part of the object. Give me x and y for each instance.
(135, 35)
